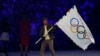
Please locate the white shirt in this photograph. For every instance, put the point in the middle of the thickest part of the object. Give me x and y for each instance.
(47, 37)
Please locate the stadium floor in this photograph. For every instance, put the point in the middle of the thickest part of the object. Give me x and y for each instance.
(59, 53)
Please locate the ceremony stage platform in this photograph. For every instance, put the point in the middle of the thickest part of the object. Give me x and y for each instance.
(60, 53)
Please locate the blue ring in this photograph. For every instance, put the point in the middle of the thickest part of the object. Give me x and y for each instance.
(76, 20)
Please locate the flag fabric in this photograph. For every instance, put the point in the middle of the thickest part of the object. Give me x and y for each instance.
(75, 28)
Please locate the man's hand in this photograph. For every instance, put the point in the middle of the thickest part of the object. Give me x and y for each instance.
(45, 35)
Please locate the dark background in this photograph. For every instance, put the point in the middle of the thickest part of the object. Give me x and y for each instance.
(36, 10)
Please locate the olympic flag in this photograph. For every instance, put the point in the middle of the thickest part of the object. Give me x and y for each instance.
(74, 26)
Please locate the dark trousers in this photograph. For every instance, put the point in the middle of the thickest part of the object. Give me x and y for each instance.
(43, 46)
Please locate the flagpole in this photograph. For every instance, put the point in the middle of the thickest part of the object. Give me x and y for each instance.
(45, 35)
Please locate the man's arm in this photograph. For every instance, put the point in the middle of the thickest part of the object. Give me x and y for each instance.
(41, 32)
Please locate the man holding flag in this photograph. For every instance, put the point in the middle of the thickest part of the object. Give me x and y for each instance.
(74, 26)
(47, 38)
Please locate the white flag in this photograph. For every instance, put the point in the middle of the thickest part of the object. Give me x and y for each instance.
(74, 26)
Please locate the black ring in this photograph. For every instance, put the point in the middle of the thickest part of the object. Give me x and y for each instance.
(81, 32)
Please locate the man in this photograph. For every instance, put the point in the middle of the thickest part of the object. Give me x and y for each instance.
(24, 36)
(47, 38)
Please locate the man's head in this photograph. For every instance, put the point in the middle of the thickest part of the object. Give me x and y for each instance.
(45, 21)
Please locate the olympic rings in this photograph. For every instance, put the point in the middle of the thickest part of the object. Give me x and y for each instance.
(77, 29)
(74, 25)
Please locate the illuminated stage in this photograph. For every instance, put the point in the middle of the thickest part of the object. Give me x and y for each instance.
(62, 53)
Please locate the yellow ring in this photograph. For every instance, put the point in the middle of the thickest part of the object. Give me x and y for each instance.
(72, 30)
